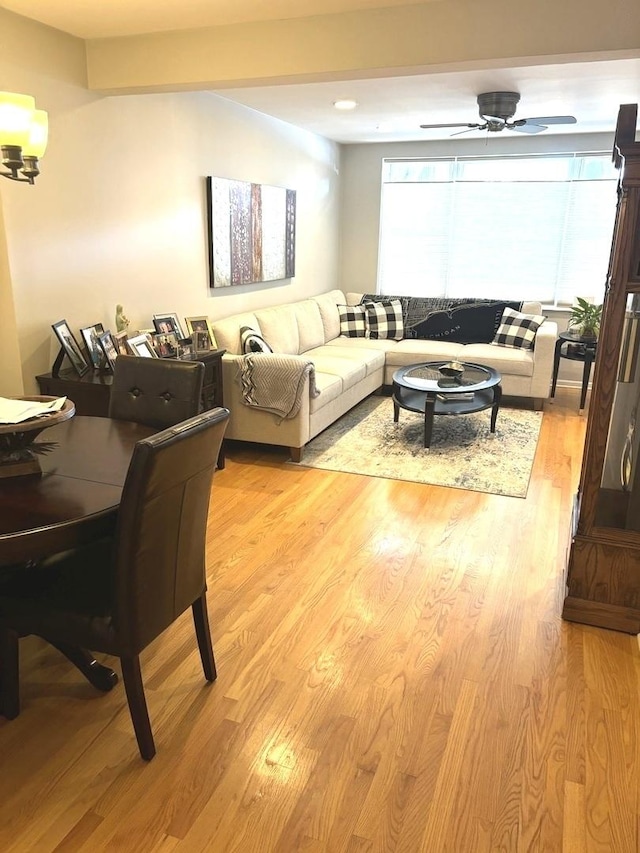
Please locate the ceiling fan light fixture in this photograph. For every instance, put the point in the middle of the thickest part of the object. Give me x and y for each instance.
(345, 104)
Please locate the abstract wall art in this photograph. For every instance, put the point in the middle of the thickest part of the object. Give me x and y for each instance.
(252, 232)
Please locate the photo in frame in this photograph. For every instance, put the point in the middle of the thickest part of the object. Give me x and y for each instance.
(109, 348)
(201, 341)
(141, 345)
(251, 232)
(166, 323)
(200, 324)
(70, 347)
(90, 336)
(166, 346)
(120, 342)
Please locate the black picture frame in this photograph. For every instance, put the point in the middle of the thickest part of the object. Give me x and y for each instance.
(109, 348)
(71, 347)
(166, 323)
(90, 336)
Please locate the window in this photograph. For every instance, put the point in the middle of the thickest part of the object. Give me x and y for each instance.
(533, 228)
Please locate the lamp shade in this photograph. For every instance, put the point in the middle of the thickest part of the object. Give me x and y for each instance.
(36, 144)
(16, 113)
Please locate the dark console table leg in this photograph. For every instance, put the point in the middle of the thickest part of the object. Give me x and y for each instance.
(497, 397)
(556, 365)
(429, 406)
(101, 677)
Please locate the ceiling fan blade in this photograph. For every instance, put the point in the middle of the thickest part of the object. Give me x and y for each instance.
(469, 129)
(433, 126)
(527, 128)
(551, 120)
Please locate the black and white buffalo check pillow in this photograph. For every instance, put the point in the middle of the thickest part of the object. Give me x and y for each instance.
(353, 321)
(517, 330)
(384, 319)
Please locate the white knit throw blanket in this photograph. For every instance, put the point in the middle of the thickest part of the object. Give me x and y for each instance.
(275, 382)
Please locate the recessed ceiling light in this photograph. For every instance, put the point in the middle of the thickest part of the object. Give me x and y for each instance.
(345, 104)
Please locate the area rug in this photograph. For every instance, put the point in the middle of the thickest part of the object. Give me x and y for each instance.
(464, 454)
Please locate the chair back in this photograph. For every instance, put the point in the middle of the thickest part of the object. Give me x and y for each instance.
(158, 392)
(161, 529)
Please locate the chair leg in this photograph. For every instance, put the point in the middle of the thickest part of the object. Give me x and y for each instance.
(203, 635)
(9, 673)
(133, 686)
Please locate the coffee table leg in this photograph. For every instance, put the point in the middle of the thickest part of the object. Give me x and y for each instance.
(497, 397)
(396, 412)
(429, 406)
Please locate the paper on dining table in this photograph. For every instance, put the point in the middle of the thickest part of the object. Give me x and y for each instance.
(17, 411)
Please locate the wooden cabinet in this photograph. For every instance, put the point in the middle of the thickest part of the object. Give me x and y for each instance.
(91, 392)
(603, 576)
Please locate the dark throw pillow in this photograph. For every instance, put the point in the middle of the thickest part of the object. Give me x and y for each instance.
(252, 341)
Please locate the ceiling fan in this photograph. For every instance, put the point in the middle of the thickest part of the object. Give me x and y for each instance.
(496, 108)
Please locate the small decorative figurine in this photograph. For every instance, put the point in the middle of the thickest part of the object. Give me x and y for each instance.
(122, 322)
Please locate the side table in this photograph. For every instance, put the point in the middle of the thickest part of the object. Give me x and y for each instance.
(574, 348)
(91, 392)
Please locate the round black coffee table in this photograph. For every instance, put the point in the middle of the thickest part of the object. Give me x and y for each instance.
(422, 388)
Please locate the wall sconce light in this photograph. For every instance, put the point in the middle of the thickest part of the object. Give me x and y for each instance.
(23, 136)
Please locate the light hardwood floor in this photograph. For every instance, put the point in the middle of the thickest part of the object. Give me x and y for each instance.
(394, 675)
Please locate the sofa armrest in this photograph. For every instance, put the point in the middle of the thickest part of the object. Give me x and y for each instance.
(543, 354)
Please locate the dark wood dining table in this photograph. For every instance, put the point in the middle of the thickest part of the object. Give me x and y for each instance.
(73, 501)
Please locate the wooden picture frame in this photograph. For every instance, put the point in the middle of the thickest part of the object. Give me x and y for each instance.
(109, 348)
(200, 324)
(120, 341)
(70, 348)
(95, 352)
(141, 345)
(165, 323)
(201, 341)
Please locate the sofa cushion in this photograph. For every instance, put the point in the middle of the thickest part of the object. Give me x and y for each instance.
(328, 305)
(330, 387)
(384, 319)
(227, 331)
(353, 320)
(414, 351)
(351, 371)
(373, 359)
(310, 327)
(517, 330)
(279, 326)
(509, 361)
(251, 341)
(381, 344)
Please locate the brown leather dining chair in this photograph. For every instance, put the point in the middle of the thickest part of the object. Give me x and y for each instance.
(158, 392)
(117, 595)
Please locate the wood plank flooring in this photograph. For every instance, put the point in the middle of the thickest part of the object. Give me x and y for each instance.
(394, 675)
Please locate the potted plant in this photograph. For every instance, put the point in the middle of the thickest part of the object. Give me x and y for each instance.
(585, 319)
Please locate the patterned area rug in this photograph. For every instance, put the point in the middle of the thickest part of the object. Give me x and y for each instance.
(463, 453)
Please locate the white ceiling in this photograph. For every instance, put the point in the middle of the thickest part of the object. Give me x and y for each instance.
(389, 108)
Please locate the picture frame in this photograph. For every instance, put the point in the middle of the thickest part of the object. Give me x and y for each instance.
(90, 335)
(201, 341)
(165, 323)
(200, 324)
(141, 345)
(166, 345)
(109, 348)
(120, 341)
(70, 347)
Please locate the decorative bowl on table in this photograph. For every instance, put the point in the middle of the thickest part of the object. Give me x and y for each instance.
(18, 449)
(452, 369)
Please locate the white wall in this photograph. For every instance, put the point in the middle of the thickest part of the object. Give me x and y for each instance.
(118, 213)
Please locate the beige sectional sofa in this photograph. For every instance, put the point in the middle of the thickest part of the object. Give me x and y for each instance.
(348, 369)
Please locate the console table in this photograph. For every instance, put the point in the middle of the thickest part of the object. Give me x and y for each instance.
(90, 393)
